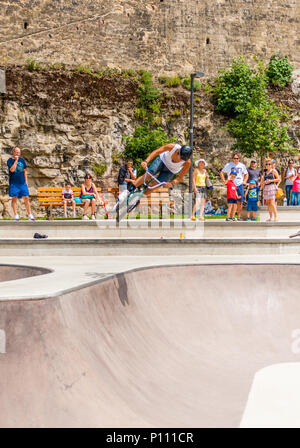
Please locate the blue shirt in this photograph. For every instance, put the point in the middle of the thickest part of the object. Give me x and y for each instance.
(18, 176)
(253, 194)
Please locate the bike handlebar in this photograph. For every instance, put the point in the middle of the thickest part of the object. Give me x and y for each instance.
(159, 184)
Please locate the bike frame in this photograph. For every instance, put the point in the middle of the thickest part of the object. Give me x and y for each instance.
(159, 184)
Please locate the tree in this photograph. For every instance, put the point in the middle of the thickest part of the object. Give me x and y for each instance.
(257, 124)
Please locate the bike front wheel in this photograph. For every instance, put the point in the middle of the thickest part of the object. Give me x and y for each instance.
(133, 201)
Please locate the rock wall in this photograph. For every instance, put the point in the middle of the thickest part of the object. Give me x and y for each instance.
(66, 123)
(164, 36)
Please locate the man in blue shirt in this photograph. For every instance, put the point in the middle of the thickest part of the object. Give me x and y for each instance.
(18, 183)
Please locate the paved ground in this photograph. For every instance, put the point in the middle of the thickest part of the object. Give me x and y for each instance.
(73, 272)
(170, 346)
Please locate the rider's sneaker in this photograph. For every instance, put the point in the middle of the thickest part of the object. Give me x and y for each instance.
(193, 218)
(228, 219)
(93, 218)
(17, 218)
(31, 217)
(85, 218)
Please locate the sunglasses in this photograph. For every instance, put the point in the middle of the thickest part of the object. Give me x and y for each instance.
(236, 158)
(268, 164)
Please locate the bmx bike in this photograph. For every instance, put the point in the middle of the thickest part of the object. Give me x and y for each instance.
(133, 197)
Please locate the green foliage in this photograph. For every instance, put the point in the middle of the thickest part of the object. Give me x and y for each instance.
(128, 73)
(173, 81)
(149, 98)
(279, 71)
(261, 129)
(99, 169)
(239, 86)
(115, 158)
(258, 125)
(212, 175)
(58, 66)
(187, 84)
(83, 69)
(143, 142)
(33, 65)
(208, 88)
(174, 115)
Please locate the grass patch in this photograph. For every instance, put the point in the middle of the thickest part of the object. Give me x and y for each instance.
(32, 65)
(173, 81)
(99, 169)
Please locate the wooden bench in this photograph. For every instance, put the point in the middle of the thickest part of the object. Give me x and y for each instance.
(50, 197)
(157, 198)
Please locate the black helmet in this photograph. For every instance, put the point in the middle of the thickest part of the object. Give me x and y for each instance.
(185, 152)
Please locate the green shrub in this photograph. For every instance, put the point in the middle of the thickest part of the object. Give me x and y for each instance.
(83, 69)
(33, 65)
(279, 71)
(141, 113)
(128, 73)
(58, 66)
(173, 81)
(187, 84)
(111, 72)
(258, 125)
(99, 169)
(262, 129)
(149, 98)
(143, 142)
(115, 158)
(239, 86)
(174, 114)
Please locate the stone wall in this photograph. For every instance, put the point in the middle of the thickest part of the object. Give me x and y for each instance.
(164, 36)
(66, 123)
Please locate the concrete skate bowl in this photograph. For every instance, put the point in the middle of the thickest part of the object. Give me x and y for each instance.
(11, 272)
(163, 347)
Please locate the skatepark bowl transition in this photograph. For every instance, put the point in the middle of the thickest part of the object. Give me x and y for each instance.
(170, 346)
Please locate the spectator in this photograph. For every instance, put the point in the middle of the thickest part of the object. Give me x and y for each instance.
(288, 176)
(252, 195)
(68, 198)
(240, 179)
(254, 173)
(18, 183)
(127, 174)
(269, 184)
(200, 189)
(232, 195)
(89, 195)
(296, 189)
(277, 169)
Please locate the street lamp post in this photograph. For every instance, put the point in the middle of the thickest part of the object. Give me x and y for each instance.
(193, 76)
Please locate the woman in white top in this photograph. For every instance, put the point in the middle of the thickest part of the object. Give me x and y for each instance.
(288, 176)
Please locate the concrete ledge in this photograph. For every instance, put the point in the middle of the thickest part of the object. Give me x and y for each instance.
(146, 247)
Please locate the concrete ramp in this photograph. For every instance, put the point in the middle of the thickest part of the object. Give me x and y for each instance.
(163, 347)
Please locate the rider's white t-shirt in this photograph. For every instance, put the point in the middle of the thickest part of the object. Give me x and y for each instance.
(239, 168)
(166, 158)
